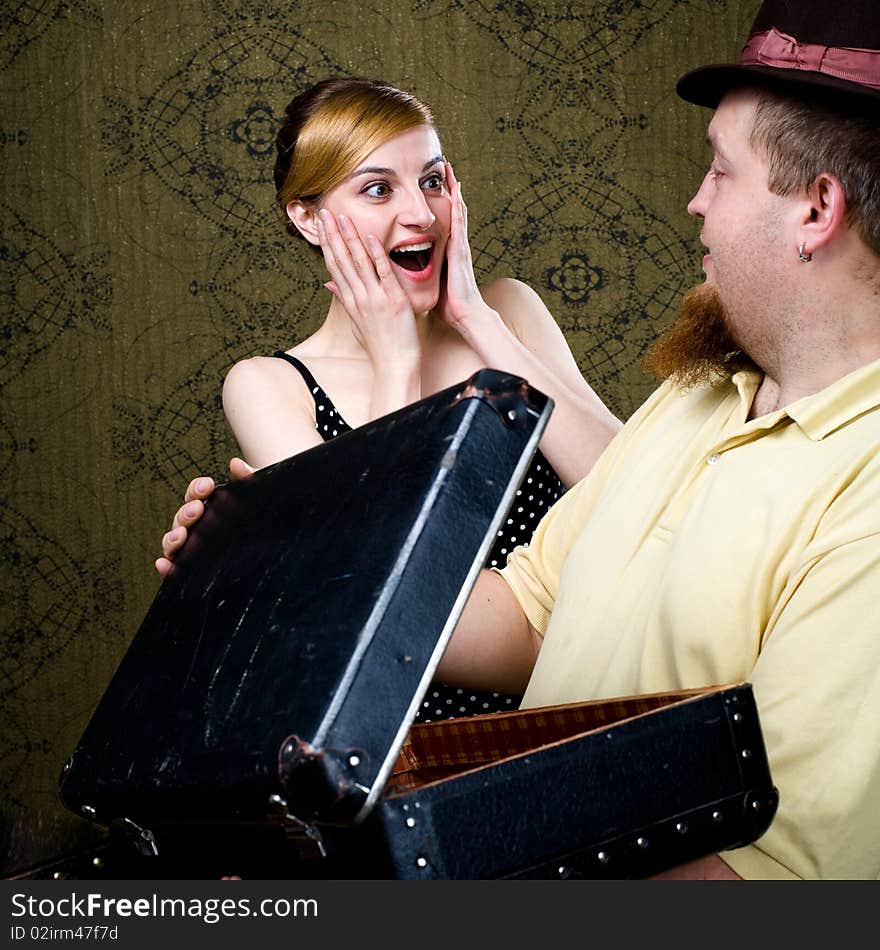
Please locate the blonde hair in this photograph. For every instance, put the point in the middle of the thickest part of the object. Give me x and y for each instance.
(330, 128)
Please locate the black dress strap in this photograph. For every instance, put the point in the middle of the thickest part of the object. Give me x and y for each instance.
(301, 367)
(328, 421)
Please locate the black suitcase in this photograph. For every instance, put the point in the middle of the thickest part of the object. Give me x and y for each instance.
(262, 712)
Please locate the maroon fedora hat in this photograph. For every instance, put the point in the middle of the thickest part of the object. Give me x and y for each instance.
(821, 45)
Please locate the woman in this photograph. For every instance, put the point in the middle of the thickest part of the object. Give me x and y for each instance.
(361, 176)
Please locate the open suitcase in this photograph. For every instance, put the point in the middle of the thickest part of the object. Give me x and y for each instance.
(269, 692)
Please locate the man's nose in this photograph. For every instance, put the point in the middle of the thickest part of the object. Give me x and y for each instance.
(698, 204)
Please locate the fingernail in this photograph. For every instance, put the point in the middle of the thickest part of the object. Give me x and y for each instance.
(192, 509)
(203, 484)
(343, 223)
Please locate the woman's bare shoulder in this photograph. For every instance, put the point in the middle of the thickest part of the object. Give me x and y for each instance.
(259, 374)
(507, 289)
(520, 306)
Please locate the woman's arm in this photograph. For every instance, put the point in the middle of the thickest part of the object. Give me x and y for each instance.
(521, 336)
(269, 409)
(509, 327)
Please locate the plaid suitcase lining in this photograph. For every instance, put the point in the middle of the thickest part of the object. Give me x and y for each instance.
(438, 750)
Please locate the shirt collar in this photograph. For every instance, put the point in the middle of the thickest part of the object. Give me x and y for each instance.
(821, 413)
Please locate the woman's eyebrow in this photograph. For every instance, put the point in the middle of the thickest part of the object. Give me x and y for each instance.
(373, 170)
(378, 170)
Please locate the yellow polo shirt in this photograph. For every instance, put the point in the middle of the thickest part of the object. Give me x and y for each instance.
(707, 549)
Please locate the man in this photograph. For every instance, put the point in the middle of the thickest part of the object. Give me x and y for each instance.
(731, 531)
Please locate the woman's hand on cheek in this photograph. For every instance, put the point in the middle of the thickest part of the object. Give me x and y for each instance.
(460, 299)
(363, 281)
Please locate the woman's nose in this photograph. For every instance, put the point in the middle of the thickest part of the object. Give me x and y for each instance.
(418, 213)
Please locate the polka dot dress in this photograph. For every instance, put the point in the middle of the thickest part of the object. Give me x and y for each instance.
(540, 488)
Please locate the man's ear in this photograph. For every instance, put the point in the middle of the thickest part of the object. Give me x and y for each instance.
(824, 212)
(305, 220)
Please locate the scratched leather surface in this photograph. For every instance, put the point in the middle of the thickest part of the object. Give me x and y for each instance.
(302, 614)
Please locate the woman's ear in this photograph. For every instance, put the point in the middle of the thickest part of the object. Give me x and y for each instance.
(304, 220)
(824, 214)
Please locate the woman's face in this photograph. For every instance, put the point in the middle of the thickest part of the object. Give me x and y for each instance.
(398, 193)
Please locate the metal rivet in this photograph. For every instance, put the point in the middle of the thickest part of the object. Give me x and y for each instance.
(713, 458)
(276, 799)
(737, 717)
(642, 842)
(354, 760)
(98, 862)
(288, 749)
(410, 822)
(756, 805)
(57, 876)
(603, 857)
(716, 816)
(88, 810)
(421, 862)
(562, 871)
(681, 827)
(407, 659)
(511, 414)
(746, 753)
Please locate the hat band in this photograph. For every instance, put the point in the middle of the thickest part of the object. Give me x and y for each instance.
(773, 48)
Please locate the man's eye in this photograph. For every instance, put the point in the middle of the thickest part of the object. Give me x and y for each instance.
(378, 189)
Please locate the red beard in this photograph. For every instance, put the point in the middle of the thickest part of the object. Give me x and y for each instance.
(699, 346)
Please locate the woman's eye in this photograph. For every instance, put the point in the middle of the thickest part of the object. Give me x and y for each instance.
(434, 182)
(378, 189)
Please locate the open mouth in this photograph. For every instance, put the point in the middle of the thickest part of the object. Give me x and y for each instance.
(413, 257)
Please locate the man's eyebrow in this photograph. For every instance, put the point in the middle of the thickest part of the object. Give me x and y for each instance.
(712, 142)
(378, 170)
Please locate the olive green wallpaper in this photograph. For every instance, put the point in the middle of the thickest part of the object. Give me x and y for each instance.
(142, 255)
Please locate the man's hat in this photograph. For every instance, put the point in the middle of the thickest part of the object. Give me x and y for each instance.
(823, 45)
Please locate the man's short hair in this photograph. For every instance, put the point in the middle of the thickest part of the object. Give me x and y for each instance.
(800, 139)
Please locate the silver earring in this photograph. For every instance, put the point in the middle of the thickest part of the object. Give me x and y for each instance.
(803, 257)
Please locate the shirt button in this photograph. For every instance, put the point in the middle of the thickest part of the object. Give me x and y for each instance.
(713, 459)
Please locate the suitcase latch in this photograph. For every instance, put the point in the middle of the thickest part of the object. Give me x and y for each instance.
(298, 829)
(143, 839)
